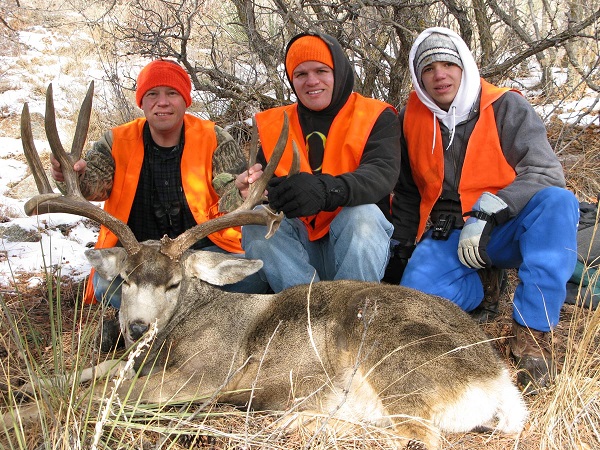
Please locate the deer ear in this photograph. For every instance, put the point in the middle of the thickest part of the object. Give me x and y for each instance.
(107, 262)
(219, 268)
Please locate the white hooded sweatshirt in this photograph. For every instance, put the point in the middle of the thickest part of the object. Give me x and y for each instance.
(468, 91)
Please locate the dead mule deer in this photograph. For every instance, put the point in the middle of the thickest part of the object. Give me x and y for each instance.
(332, 352)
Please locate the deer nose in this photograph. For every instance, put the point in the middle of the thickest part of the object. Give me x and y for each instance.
(137, 329)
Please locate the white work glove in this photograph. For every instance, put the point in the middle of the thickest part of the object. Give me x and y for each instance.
(488, 211)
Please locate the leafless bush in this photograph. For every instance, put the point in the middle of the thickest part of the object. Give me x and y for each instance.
(233, 49)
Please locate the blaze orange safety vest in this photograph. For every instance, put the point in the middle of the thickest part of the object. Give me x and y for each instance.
(344, 146)
(196, 171)
(485, 166)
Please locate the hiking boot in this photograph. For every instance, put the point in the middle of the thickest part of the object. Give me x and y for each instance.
(110, 337)
(531, 351)
(494, 283)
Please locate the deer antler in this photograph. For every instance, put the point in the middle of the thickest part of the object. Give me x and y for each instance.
(73, 202)
(245, 214)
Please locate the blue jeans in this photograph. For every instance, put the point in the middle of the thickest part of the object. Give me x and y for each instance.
(109, 291)
(540, 241)
(356, 248)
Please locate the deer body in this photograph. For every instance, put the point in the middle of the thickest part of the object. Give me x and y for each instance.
(349, 350)
(332, 352)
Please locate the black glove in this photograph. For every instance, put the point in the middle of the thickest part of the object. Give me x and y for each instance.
(304, 194)
(400, 254)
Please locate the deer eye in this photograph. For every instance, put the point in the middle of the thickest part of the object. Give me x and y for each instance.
(173, 286)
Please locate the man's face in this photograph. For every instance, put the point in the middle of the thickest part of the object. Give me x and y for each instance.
(441, 80)
(313, 83)
(164, 108)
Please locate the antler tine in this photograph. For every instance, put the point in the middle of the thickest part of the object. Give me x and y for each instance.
(83, 124)
(295, 168)
(255, 196)
(253, 144)
(31, 154)
(73, 202)
(55, 145)
(245, 214)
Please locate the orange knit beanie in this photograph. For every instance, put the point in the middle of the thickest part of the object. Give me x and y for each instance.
(307, 48)
(163, 72)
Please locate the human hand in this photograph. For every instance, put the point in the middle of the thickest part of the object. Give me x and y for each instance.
(246, 178)
(56, 170)
(299, 195)
(488, 211)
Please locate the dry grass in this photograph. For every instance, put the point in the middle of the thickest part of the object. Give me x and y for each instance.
(44, 337)
(578, 150)
(566, 416)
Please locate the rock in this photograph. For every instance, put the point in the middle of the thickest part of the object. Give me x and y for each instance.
(14, 233)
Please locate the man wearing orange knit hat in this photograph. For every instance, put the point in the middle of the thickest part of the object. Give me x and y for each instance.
(140, 170)
(337, 208)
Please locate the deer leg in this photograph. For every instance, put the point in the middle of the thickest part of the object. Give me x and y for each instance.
(417, 433)
(166, 386)
(20, 416)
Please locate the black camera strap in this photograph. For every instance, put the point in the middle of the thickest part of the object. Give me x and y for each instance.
(480, 215)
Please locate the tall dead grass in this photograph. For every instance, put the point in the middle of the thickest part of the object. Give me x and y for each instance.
(568, 416)
(45, 332)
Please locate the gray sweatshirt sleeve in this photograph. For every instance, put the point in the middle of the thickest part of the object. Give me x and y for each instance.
(524, 141)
